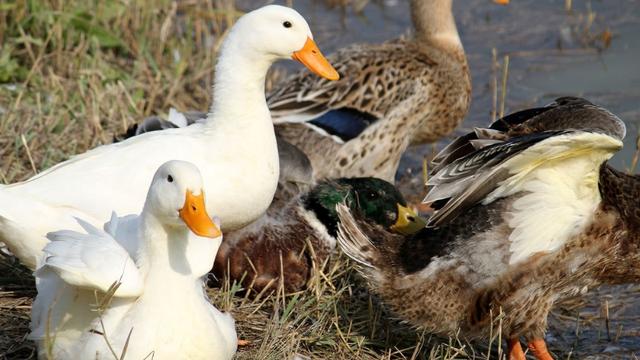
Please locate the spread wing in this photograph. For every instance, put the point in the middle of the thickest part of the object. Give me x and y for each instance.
(93, 260)
(498, 161)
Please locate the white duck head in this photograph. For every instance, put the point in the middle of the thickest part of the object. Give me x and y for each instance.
(276, 32)
(254, 43)
(176, 199)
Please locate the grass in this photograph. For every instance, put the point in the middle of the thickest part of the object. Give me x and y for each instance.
(73, 79)
(75, 73)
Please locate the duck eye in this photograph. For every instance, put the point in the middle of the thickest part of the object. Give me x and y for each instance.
(372, 195)
(170, 178)
(287, 24)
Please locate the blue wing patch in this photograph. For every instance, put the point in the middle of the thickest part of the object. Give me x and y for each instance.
(344, 123)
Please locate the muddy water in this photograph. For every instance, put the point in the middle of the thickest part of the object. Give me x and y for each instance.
(552, 52)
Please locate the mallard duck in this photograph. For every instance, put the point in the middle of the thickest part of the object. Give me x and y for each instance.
(300, 227)
(393, 94)
(242, 178)
(152, 266)
(528, 212)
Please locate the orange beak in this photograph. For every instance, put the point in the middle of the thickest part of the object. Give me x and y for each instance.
(311, 57)
(501, 2)
(194, 214)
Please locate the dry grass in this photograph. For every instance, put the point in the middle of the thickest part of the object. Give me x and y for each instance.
(73, 79)
(74, 73)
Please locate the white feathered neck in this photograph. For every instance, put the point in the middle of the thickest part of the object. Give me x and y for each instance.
(240, 75)
(168, 256)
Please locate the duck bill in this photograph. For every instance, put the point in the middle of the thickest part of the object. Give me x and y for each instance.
(194, 214)
(311, 57)
(408, 221)
(501, 2)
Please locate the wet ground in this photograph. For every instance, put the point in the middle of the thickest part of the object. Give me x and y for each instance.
(590, 50)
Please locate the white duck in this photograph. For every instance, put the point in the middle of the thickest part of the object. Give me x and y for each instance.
(235, 147)
(159, 258)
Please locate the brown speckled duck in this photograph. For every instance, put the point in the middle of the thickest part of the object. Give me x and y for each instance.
(528, 212)
(396, 93)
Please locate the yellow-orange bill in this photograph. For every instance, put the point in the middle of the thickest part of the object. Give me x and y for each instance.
(194, 214)
(501, 2)
(311, 57)
(408, 221)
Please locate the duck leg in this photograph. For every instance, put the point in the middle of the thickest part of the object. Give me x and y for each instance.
(539, 349)
(515, 350)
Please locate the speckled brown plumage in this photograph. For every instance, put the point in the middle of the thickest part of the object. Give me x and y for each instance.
(460, 275)
(418, 90)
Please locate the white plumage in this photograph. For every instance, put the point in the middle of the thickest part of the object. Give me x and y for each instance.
(94, 260)
(559, 180)
(159, 306)
(235, 147)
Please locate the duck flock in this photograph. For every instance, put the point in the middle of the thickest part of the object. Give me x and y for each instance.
(525, 212)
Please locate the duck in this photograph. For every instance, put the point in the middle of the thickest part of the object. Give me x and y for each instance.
(295, 235)
(528, 212)
(398, 93)
(242, 179)
(298, 232)
(131, 287)
(392, 95)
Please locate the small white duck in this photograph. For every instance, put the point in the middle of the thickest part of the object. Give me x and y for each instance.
(235, 147)
(159, 258)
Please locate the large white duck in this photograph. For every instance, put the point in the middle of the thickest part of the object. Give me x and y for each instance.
(235, 147)
(159, 258)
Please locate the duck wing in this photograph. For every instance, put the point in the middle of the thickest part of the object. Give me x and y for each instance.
(93, 260)
(345, 108)
(565, 113)
(470, 172)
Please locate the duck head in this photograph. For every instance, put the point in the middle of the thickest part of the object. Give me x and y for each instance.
(176, 199)
(280, 33)
(374, 199)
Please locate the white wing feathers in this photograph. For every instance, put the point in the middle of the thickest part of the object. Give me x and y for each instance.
(559, 179)
(93, 260)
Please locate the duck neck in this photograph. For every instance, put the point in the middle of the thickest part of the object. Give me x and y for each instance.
(239, 90)
(435, 26)
(163, 257)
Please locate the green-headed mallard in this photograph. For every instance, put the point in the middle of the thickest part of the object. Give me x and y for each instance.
(300, 227)
(527, 212)
(393, 94)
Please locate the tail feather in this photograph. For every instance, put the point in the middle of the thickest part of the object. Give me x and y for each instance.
(24, 222)
(26, 248)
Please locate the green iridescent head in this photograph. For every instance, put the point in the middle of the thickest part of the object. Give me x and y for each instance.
(374, 199)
